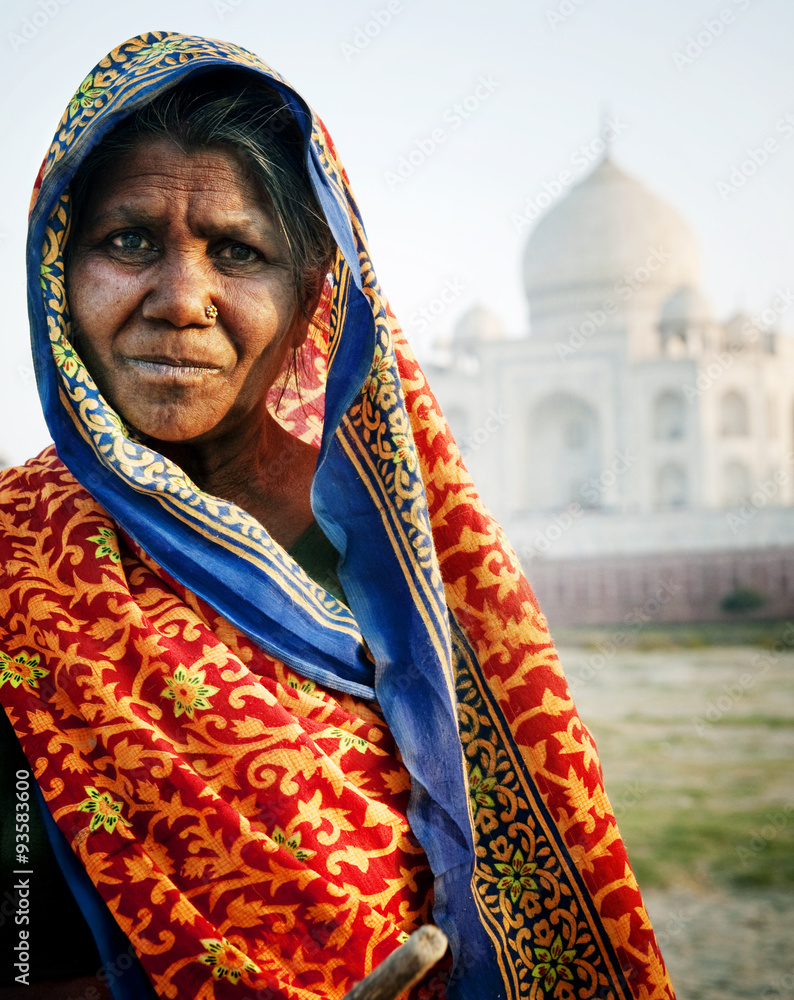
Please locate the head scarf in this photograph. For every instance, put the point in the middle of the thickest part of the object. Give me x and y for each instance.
(532, 885)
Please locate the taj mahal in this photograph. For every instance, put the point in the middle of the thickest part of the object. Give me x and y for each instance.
(629, 423)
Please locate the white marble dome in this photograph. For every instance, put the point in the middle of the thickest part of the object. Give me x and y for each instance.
(477, 326)
(687, 306)
(598, 237)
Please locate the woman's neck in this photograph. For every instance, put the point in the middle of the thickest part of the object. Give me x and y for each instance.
(262, 468)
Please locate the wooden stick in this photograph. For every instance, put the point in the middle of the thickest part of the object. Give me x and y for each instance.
(404, 967)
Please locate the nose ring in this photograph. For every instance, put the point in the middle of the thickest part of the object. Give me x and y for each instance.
(211, 313)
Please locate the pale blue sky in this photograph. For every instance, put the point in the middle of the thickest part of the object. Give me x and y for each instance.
(450, 223)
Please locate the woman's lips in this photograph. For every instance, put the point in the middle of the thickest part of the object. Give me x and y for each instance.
(173, 369)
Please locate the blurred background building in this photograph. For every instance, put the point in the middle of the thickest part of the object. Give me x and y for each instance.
(630, 440)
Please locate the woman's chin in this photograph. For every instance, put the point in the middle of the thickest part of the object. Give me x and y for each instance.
(173, 430)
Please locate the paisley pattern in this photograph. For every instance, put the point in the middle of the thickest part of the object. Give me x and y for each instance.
(270, 788)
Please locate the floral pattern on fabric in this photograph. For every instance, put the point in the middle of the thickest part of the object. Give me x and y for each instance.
(282, 871)
(292, 844)
(226, 960)
(188, 691)
(106, 544)
(105, 810)
(87, 97)
(21, 669)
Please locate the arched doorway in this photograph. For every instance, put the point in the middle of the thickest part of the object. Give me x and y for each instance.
(565, 453)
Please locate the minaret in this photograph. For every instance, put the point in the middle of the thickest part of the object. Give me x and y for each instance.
(604, 131)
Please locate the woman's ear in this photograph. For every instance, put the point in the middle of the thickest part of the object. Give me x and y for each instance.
(299, 330)
(304, 313)
(313, 291)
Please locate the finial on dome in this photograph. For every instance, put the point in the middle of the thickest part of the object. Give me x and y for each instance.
(605, 130)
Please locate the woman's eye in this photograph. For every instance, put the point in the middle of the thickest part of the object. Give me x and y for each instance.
(131, 241)
(240, 252)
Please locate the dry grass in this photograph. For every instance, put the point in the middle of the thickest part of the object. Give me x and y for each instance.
(697, 745)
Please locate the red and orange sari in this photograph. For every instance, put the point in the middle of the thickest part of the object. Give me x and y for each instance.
(269, 788)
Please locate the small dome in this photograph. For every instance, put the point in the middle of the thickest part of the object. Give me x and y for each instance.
(741, 330)
(741, 327)
(608, 229)
(686, 307)
(477, 326)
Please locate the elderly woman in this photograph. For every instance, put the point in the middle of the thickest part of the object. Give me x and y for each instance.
(281, 686)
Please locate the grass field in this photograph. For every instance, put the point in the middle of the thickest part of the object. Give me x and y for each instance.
(697, 745)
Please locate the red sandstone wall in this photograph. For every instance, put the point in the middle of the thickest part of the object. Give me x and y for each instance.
(671, 587)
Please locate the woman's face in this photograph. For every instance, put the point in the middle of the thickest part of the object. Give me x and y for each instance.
(166, 236)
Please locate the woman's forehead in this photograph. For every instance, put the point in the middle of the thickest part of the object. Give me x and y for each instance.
(157, 174)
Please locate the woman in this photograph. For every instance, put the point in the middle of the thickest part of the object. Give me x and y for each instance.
(271, 773)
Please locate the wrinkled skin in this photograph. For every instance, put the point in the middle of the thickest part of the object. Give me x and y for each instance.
(166, 235)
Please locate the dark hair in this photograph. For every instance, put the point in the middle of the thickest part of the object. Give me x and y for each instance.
(226, 109)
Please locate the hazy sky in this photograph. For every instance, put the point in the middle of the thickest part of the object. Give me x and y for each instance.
(694, 86)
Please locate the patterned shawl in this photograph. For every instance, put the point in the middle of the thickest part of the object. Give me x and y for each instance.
(213, 731)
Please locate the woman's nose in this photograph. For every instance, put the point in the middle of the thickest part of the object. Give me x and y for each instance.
(182, 293)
